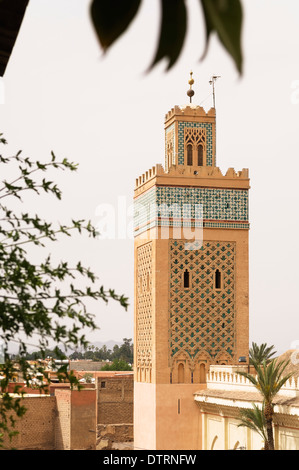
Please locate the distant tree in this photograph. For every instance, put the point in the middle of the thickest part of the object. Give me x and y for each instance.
(111, 18)
(38, 298)
(117, 364)
(55, 353)
(116, 351)
(88, 355)
(76, 355)
(105, 354)
(126, 350)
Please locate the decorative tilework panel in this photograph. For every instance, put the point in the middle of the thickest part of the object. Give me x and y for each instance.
(209, 140)
(144, 339)
(145, 210)
(174, 206)
(217, 204)
(202, 317)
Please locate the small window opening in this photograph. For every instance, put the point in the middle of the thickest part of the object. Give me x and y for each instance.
(179, 406)
(186, 279)
(103, 384)
(189, 154)
(200, 155)
(217, 279)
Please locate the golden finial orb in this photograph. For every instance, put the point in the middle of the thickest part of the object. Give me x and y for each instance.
(190, 92)
(191, 81)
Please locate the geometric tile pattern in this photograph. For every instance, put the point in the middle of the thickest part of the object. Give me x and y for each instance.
(145, 211)
(172, 206)
(217, 204)
(202, 317)
(181, 140)
(144, 330)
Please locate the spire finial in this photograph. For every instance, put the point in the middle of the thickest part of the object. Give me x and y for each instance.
(190, 92)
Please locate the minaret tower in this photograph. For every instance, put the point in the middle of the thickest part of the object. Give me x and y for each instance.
(191, 278)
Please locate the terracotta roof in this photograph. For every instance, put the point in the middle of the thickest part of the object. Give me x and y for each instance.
(11, 17)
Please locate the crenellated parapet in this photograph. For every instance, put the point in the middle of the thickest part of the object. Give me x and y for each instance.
(190, 112)
(196, 175)
(149, 175)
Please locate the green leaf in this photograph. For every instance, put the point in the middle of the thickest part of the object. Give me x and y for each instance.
(111, 18)
(172, 31)
(225, 17)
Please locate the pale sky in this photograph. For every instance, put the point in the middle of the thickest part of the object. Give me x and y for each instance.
(60, 93)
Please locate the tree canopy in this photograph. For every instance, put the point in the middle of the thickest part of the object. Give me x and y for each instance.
(111, 18)
(38, 297)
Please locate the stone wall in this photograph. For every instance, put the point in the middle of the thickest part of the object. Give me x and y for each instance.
(65, 421)
(115, 399)
(76, 419)
(83, 419)
(36, 429)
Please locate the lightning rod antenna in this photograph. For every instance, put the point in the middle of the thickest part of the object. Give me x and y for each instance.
(212, 82)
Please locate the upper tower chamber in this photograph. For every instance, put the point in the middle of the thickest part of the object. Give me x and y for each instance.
(190, 137)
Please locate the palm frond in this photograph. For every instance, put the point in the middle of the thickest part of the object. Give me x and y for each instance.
(259, 353)
(254, 419)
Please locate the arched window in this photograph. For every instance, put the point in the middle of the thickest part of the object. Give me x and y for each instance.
(217, 279)
(202, 374)
(186, 279)
(189, 154)
(200, 155)
(181, 373)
